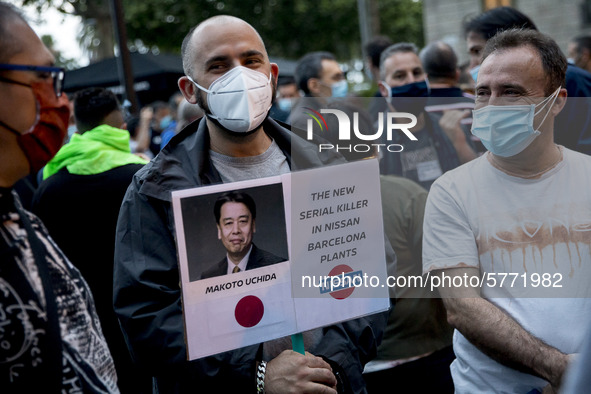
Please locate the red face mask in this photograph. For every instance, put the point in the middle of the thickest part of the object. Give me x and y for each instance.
(42, 141)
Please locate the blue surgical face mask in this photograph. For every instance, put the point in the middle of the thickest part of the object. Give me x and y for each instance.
(506, 130)
(474, 72)
(284, 104)
(418, 91)
(164, 122)
(340, 89)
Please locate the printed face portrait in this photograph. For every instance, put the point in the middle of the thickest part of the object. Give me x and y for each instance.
(236, 228)
(230, 233)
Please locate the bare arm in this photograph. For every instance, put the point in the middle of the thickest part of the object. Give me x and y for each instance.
(497, 334)
(143, 130)
(450, 123)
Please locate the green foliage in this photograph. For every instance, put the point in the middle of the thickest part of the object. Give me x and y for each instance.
(98, 37)
(402, 20)
(290, 28)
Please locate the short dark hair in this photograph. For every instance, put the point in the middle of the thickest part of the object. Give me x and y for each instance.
(92, 106)
(132, 122)
(583, 41)
(187, 54)
(9, 44)
(286, 80)
(310, 66)
(401, 47)
(498, 19)
(159, 105)
(439, 61)
(234, 196)
(374, 48)
(552, 58)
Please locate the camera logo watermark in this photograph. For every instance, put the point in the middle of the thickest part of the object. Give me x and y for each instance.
(389, 126)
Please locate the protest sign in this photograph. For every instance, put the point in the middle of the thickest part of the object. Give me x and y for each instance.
(321, 222)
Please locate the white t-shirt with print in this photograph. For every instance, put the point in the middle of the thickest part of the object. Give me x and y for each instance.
(538, 232)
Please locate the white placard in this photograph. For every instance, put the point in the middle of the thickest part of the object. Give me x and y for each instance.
(335, 209)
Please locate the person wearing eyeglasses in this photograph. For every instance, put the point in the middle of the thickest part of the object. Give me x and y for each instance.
(50, 336)
(26, 186)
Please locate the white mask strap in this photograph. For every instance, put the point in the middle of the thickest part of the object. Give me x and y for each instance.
(388, 88)
(199, 86)
(553, 97)
(209, 91)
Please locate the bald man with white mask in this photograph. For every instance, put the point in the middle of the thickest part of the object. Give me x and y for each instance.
(229, 75)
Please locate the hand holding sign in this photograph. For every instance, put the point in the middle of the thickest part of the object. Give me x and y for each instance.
(291, 372)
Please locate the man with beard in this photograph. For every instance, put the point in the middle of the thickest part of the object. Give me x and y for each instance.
(440, 143)
(229, 75)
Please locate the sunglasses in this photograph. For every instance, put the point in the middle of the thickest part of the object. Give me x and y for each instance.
(56, 73)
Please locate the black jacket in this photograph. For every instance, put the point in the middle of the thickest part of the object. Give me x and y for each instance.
(258, 258)
(147, 294)
(80, 212)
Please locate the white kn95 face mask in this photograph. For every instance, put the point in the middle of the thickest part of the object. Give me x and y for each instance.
(240, 99)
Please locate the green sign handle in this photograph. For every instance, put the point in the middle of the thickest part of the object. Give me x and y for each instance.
(297, 343)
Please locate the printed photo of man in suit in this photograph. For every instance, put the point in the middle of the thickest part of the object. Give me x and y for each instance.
(235, 214)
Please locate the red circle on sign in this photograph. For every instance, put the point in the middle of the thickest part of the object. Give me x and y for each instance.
(249, 311)
(337, 271)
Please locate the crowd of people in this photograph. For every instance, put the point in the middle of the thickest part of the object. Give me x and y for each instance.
(493, 178)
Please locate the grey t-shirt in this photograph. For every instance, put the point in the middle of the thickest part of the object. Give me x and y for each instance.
(270, 163)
